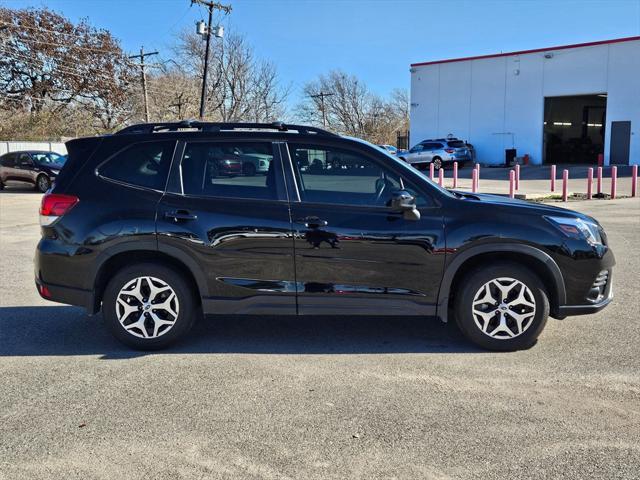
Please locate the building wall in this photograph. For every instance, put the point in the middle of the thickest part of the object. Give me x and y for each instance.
(14, 146)
(498, 102)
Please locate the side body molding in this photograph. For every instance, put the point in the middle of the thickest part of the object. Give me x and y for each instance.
(459, 260)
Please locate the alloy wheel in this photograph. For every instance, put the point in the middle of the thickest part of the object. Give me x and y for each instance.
(147, 307)
(503, 308)
(437, 163)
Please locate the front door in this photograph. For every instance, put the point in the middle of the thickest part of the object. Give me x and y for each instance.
(620, 143)
(353, 254)
(25, 169)
(231, 220)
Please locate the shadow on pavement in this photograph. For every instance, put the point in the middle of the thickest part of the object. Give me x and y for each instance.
(62, 330)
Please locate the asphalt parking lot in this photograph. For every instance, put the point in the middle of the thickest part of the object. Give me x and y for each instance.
(302, 398)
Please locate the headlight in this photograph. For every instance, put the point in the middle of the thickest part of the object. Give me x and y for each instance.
(578, 228)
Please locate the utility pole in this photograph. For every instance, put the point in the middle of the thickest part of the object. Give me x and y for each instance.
(321, 96)
(144, 79)
(179, 103)
(211, 6)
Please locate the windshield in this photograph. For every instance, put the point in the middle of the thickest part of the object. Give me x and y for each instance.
(49, 158)
(406, 166)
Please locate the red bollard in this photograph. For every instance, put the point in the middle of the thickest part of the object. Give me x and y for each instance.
(565, 186)
(431, 171)
(455, 174)
(517, 176)
(474, 180)
(512, 183)
(634, 180)
(441, 176)
(477, 176)
(589, 183)
(599, 182)
(614, 181)
(553, 178)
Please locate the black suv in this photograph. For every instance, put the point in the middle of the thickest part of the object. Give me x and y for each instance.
(154, 227)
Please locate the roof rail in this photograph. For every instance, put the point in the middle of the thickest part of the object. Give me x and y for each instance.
(219, 127)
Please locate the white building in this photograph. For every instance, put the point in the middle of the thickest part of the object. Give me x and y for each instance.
(558, 105)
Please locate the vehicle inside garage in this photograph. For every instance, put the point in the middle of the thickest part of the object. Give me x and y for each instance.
(574, 128)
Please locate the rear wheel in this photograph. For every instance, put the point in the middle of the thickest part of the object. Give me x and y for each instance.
(437, 163)
(43, 183)
(502, 307)
(149, 306)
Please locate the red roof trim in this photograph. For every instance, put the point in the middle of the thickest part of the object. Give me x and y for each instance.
(523, 52)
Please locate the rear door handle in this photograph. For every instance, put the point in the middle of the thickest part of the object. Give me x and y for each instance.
(312, 222)
(180, 216)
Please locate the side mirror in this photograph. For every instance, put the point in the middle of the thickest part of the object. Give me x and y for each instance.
(403, 201)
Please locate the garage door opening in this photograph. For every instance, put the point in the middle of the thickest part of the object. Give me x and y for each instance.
(574, 128)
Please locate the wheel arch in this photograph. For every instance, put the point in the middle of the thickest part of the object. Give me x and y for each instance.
(113, 263)
(531, 257)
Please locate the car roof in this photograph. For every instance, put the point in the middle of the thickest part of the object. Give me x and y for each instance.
(30, 151)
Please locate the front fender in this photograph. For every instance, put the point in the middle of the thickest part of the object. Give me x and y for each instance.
(461, 258)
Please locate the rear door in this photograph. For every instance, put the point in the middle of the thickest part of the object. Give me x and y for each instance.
(230, 223)
(8, 166)
(353, 254)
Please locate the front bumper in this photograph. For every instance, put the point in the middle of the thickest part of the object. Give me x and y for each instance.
(589, 308)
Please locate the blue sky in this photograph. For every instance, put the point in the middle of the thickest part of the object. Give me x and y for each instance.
(375, 40)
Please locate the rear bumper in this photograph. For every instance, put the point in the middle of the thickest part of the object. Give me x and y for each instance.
(67, 295)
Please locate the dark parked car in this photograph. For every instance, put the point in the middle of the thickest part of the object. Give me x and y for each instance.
(141, 226)
(38, 168)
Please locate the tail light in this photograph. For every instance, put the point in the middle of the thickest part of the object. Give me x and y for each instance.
(54, 206)
(449, 150)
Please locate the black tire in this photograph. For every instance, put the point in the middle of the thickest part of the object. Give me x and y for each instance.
(474, 281)
(437, 163)
(249, 169)
(42, 183)
(1, 185)
(188, 306)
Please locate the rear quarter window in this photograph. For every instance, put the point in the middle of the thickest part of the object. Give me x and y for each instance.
(143, 165)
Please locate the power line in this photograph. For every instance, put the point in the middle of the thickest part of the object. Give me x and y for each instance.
(144, 79)
(321, 96)
(211, 6)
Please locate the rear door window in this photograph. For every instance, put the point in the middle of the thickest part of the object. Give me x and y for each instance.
(230, 170)
(143, 165)
(8, 160)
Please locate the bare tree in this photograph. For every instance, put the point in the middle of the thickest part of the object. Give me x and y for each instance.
(350, 108)
(47, 63)
(240, 87)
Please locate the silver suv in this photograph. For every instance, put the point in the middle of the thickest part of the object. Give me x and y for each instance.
(439, 152)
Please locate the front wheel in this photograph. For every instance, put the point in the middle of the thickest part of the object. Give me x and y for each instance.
(149, 306)
(502, 307)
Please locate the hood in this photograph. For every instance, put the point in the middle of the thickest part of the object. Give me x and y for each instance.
(529, 208)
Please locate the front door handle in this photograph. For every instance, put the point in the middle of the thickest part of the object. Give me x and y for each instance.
(180, 216)
(312, 222)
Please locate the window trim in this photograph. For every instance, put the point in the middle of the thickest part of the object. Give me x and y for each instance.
(176, 170)
(133, 185)
(322, 146)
